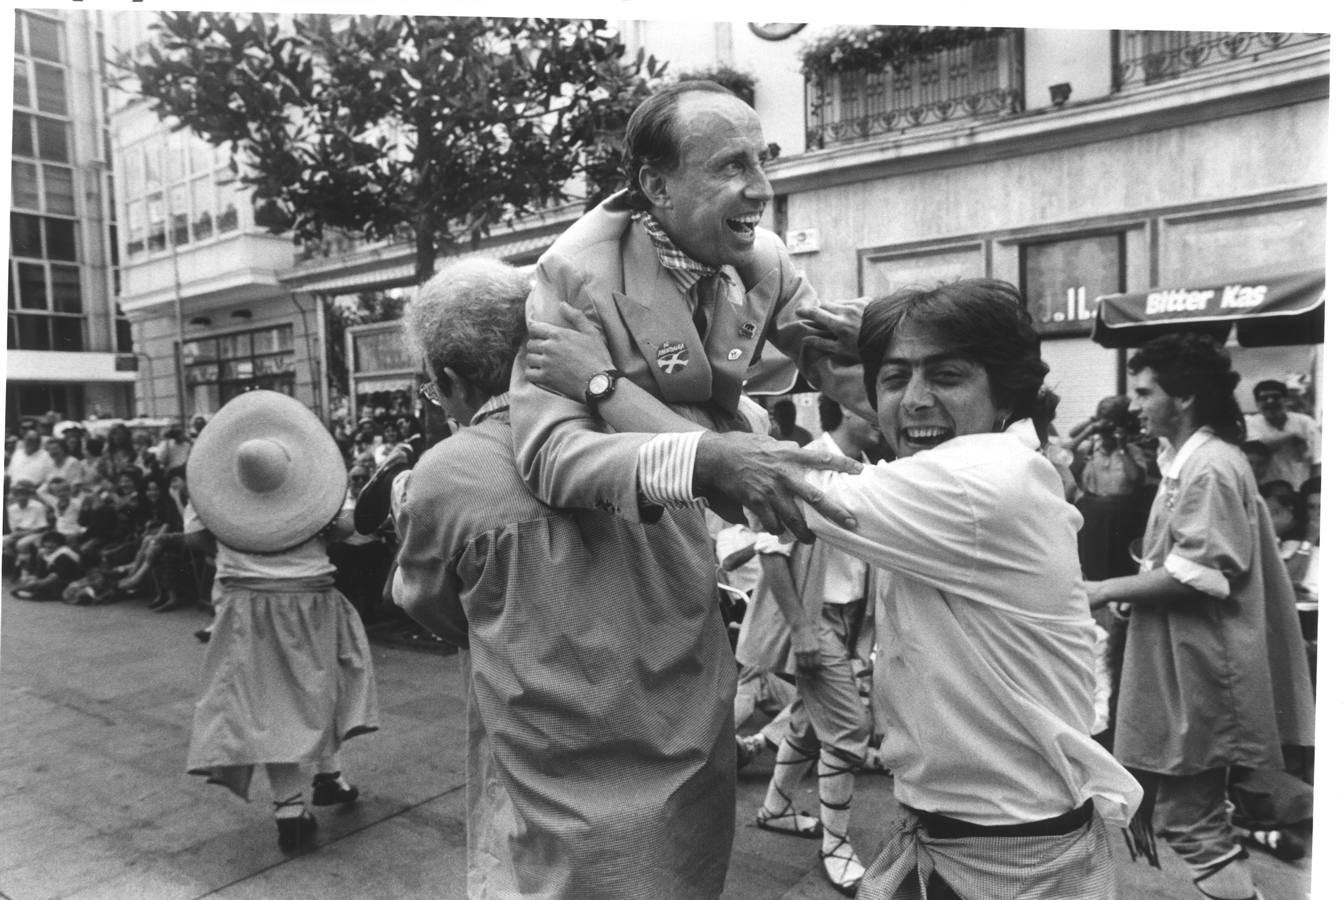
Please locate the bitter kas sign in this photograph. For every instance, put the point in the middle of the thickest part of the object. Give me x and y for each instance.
(1278, 310)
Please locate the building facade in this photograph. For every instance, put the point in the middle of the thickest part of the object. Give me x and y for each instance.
(67, 349)
(200, 281)
(1073, 163)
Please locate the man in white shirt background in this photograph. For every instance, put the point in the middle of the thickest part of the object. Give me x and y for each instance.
(1293, 438)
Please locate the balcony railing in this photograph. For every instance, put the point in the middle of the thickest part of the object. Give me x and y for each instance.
(1150, 57)
(977, 77)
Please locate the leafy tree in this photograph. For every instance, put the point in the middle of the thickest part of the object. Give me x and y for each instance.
(432, 128)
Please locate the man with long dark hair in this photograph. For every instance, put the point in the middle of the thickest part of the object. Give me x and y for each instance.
(1215, 668)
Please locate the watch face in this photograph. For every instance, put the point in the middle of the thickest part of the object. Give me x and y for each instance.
(599, 384)
(775, 31)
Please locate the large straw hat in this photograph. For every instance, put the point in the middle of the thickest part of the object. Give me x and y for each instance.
(264, 474)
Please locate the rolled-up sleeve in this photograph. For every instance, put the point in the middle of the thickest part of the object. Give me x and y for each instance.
(1211, 535)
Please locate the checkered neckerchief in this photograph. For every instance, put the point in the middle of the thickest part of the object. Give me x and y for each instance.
(685, 271)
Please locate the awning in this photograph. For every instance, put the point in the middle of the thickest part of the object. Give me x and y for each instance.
(1269, 311)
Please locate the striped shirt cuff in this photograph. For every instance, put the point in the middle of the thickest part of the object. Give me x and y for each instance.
(1201, 578)
(666, 466)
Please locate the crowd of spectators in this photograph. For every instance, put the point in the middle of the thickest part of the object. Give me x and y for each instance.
(95, 515)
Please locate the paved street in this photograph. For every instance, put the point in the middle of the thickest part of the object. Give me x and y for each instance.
(95, 714)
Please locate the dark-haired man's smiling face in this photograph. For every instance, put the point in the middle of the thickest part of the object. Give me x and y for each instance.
(927, 394)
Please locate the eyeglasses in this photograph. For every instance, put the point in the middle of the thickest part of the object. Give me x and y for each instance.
(430, 391)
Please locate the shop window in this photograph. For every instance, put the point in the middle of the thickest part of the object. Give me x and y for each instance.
(1061, 280)
(220, 368)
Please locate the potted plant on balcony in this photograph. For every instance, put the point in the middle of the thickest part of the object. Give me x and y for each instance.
(741, 83)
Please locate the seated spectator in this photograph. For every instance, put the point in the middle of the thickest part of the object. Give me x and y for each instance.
(58, 495)
(132, 513)
(63, 465)
(173, 450)
(28, 518)
(160, 560)
(1259, 456)
(98, 518)
(144, 458)
(30, 461)
(1293, 439)
(73, 438)
(57, 565)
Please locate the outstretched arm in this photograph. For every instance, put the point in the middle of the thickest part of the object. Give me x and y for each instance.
(754, 471)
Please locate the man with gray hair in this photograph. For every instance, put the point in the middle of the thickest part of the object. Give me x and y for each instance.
(597, 764)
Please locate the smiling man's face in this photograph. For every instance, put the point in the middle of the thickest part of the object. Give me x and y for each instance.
(711, 203)
(927, 395)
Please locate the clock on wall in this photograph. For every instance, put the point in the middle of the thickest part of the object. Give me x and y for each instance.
(775, 31)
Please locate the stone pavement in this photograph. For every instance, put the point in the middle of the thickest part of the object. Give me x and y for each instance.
(95, 716)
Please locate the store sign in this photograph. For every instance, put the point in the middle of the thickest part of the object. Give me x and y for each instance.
(1062, 281)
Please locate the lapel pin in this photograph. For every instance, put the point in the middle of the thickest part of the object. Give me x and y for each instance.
(747, 329)
(673, 356)
(734, 353)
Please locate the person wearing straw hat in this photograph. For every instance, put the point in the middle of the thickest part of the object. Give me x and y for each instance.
(288, 673)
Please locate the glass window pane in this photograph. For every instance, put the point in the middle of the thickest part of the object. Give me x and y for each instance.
(33, 333)
(135, 229)
(174, 161)
(202, 156)
(153, 166)
(32, 286)
(19, 20)
(198, 351)
(133, 173)
(61, 239)
(67, 333)
(23, 135)
(65, 295)
(21, 97)
(50, 84)
(178, 204)
(44, 39)
(235, 346)
(58, 184)
(273, 340)
(53, 140)
(13, 294)
(25, 235)
(202, 193)
(23, 186)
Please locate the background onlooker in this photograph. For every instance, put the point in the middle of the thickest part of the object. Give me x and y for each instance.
(1293, 438)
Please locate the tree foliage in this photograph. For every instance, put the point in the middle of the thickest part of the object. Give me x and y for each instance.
(430, 127)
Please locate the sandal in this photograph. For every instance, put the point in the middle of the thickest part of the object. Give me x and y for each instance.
(790, 821)
(842, 867)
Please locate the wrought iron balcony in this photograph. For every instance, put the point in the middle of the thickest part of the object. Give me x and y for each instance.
(1150, 57)
(966, 76)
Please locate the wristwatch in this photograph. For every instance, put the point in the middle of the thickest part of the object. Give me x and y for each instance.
(601, 385)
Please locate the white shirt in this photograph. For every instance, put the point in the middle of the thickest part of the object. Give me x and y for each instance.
(1288, 463)
(984, 673)
(36, 468)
